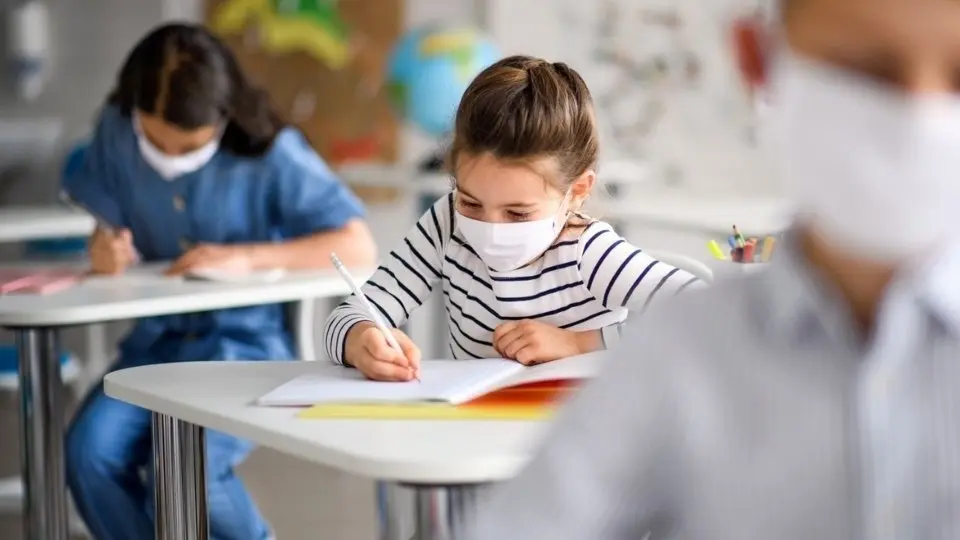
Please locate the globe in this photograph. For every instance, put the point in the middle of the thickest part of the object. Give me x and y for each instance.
(429, 70)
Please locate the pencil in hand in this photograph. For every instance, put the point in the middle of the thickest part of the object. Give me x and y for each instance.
(371, 311)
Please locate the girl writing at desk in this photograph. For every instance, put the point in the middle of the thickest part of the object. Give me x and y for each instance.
(189, 163)
(524, 274)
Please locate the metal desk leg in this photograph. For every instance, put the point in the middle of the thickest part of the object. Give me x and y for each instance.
(180, 477)
(391, 512)
(441, 509)
(41, 435)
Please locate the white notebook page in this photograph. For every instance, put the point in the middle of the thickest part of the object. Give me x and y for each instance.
(582, 366)
(444, 380)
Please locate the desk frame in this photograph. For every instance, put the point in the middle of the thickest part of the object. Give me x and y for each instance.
(181, 483)
(42, 422)
(181, 489)
(41, 431)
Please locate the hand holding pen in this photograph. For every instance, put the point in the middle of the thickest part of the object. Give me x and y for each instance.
(111, 248)
(379, 352)
(111, 251)
(368, 350)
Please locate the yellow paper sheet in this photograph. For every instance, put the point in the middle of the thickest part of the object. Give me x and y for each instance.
(426, 411)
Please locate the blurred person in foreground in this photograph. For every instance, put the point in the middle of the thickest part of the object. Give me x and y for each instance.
(821, 398)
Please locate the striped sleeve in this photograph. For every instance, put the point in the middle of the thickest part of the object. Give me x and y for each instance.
(619, 274)
(402, 283)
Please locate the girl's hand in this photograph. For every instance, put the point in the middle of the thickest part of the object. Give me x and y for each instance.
(111, 252)
(531, 342)
(213, 257)
(368, 351)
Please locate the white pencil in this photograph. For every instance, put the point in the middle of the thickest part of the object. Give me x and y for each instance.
(372, 311)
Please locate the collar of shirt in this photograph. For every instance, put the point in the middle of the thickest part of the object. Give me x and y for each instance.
(800, 302)
(939, 288)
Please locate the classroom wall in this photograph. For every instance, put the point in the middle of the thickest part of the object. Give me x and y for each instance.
(90, 39)
(700, 143)
(663, 80)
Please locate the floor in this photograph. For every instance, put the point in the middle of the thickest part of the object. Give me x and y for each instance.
(301, 500)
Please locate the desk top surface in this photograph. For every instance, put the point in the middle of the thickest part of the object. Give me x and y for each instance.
(25, 223)
(713, 216)
(145, 292)
(220, 395)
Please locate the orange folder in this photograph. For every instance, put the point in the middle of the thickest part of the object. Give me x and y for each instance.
(534, 401)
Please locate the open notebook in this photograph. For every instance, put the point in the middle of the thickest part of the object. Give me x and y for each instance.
(442, 381)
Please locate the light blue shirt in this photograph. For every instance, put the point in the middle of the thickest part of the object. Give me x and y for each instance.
(755, 411)
(288, 192)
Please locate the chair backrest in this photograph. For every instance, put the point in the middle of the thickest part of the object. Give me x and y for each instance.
(684, 262)
(301, 317)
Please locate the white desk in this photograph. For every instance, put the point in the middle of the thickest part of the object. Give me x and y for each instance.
(36, 320)
(24, 223)
(706, 215)
(443, 460)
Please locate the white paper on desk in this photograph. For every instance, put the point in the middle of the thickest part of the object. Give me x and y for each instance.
(449, 381)
(227, 276)
(137, 275)
(442, 381)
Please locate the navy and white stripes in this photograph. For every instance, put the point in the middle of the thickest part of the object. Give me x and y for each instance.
(580, 283)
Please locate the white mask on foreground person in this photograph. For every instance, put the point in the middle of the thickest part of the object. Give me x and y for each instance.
(873, 170)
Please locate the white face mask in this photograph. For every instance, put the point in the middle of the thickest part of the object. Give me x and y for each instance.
(508, 246)
(874, 171)
(171, 167)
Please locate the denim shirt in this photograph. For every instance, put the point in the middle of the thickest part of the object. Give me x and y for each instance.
(755, 411)
(289, 192)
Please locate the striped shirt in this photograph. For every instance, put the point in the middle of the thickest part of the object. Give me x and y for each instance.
(584, 283)
(755, 410)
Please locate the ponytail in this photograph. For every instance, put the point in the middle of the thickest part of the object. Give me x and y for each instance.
(252, 123)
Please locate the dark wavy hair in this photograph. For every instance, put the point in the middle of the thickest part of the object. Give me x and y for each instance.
(187, 76)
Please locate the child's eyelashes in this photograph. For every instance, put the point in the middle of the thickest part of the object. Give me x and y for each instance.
(473, 208)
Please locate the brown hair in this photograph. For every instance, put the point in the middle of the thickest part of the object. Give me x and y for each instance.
(523, 108)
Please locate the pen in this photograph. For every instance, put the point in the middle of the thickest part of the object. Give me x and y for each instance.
(374, 315)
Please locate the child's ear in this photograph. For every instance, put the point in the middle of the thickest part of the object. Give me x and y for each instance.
(582, 187)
